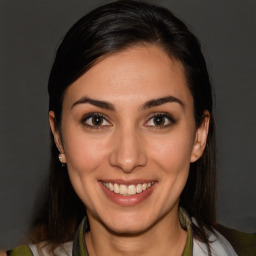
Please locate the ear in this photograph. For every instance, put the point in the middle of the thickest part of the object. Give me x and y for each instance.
(200, 138)
(57, 137)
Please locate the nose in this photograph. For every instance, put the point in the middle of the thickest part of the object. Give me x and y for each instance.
(128, 152)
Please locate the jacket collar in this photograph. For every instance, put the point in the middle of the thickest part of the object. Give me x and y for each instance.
(80, 249)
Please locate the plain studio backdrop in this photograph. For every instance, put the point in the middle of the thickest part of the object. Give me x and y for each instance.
(29, 34)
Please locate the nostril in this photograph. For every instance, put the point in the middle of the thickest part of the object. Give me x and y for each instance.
(127, 163)
(127, 153)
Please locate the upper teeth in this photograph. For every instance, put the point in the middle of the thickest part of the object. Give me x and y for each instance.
(127, 190)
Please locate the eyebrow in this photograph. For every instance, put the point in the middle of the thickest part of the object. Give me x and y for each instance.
(108, 106)
(161, 101)
(97, 103)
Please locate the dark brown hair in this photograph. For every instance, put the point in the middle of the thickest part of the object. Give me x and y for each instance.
(109, 29)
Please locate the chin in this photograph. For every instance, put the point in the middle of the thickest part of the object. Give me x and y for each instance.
(128, 229)
(128, 224)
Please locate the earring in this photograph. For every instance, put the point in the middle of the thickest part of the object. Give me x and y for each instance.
(61, 160)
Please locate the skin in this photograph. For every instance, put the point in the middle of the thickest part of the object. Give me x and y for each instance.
(2, 253)
(130, 145)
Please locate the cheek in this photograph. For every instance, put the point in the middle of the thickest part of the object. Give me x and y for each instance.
(172, 153)
(83, 153)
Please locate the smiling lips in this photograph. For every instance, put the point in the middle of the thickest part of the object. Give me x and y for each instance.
(127, 190)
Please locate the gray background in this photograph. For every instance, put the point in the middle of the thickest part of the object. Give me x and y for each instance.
(29, 33)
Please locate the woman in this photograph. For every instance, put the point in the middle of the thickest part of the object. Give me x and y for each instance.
(133, 142)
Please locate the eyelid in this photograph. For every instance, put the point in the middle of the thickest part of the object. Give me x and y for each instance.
(166, 115)
(94, 114)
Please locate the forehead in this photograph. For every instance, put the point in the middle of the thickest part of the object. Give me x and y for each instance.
(138, 73)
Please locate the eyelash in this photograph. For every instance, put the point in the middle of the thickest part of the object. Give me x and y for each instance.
(95, 115)
(168, 118)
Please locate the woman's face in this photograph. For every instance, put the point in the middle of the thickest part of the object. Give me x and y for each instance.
(128, 126)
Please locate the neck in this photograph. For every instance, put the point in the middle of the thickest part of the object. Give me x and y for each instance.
(165, 238)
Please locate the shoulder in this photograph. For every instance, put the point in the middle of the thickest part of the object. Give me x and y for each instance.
(42, 249)
(226, 241)
(20, 250)
(2, 253)
(243, 243)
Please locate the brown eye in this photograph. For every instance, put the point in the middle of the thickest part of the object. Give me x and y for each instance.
(159, 120)
(95, 121)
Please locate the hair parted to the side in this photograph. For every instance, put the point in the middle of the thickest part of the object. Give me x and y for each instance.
(106, 30)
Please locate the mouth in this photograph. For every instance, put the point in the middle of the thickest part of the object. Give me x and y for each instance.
(127, 190)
